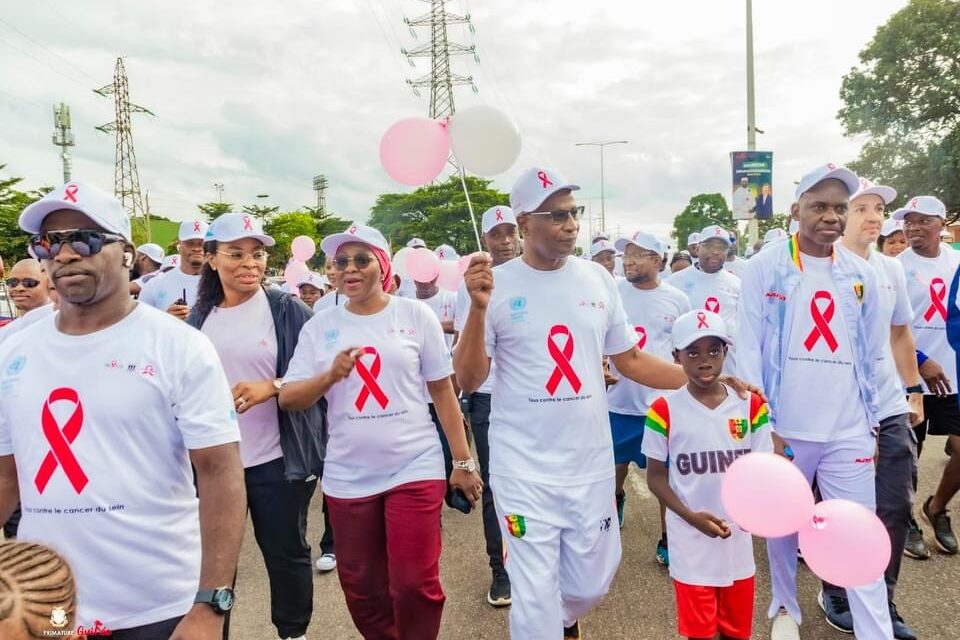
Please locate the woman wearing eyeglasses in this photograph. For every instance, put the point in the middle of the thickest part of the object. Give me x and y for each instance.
(384, 474)
(255, 331)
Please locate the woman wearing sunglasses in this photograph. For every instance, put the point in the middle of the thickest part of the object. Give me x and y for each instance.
(383, 476)
(255, 331)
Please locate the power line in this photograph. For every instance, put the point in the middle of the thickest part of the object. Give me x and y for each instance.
(44, 64)
(51, 52)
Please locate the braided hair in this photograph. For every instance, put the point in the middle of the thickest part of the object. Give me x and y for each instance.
(34, 582)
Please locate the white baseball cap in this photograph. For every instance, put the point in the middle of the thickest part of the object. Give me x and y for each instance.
(927, 205)
(194, 229)
(693, 238)
(446, 252)
(827, 172)
(600, 246)
(773, 235)
(697, 324)
(417, 243)
(356, 232)
(715, 232)
(641, 239)
(99, 206)
(497, 215)
(234, 226)
(867, 187)
(534, 186)
(172, 261)
(891, 226)
(315, 279)
(153, 251)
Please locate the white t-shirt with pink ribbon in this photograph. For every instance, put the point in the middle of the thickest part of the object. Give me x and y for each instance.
(652, 313)
(100, 426)
(717, 292)
(548, 331)
(381, 434)
(928, 283)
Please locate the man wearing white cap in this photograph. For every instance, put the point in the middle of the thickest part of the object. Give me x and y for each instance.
(929, 267)
(810, 312)
(651, 308)
(499, 227)
(105, 408)
(897, 457)
(311, 287)
(176, 291)
(693, 246)
(547, 324)
(604, 253)
(709, 285)
(774, 235)
(146, 266)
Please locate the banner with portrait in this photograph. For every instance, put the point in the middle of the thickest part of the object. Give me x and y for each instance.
(752, 190)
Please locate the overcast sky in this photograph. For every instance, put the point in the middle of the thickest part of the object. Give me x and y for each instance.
(262, 96)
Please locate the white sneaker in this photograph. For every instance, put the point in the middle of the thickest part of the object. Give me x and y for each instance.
(326, 562)
(300, 638)
(784, 627)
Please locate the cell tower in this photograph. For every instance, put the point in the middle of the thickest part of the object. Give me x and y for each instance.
(126, 183)
(63, 137)
(441, 79)
(320, 186)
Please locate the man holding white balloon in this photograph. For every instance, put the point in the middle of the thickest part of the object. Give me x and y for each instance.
(810, 311)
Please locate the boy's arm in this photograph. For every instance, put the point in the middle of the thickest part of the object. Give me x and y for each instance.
(703, 521)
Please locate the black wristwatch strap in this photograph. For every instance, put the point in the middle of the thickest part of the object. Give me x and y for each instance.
(209, 597)
(915, 389)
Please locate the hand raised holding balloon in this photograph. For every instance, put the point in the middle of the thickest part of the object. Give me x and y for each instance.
(479, 280)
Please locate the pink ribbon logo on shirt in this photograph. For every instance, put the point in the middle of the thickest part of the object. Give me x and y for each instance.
(821, 322)
(938, 292)
(561, 357)
(642, 333)
(247, 223)
(369, 377)
(60, 440)
(70, 193)
(712, 304)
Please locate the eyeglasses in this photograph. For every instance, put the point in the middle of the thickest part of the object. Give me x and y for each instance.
(560, 216)
(239, 256)
(29, 283)
(360, 261)
(84, 242)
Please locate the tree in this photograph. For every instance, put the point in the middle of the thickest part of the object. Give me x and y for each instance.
(905, 95)
(702, 211)
(13, 240)
(260, 211)
(284, 228)
(213, 210)
(437, 213)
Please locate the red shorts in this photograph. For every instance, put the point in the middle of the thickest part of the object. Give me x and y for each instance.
(704, 611)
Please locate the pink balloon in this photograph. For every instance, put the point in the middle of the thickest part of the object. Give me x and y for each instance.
(450, 276)
(414, 151)
(464, 263)
(399, 262)
(423, 265)
(294, 271)
(303, 248)
(845, 543)
(766, 495)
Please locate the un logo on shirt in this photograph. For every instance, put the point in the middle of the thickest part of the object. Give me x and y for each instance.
(518, 304)
(17, 365)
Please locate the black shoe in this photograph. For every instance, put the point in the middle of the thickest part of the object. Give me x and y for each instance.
(900, 629)
(621, 502)
(499, 593)
(837, 610)
(572, 632)
(915, 547)
(942, 532)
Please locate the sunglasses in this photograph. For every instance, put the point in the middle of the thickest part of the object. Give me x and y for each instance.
(559, 217)
(361, 261)
(29, 283)
(84, 242)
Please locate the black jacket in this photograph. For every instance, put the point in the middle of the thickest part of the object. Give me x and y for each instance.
(303, 434)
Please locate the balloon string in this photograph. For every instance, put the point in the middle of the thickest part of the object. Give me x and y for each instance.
(473, 220)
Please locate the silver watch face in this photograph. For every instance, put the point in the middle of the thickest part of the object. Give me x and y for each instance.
(224, 599)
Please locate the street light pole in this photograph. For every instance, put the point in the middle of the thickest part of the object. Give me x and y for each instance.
(603, 208)
(753, 226)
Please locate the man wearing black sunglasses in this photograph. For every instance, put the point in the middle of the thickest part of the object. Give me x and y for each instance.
(28, 286)
(104, 408)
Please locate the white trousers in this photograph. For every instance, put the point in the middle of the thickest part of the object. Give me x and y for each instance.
(562, 551)
(843, 469)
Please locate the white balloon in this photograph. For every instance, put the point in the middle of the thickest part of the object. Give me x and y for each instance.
(399, 262)
(485, 140)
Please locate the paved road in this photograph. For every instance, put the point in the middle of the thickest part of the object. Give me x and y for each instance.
(640, 605)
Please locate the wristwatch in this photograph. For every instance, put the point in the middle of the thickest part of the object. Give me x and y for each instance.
(469, 465)
(220, 599)
(915, 389)
(278, 384)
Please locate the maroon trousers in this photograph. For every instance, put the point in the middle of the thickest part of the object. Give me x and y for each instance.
(388, 560)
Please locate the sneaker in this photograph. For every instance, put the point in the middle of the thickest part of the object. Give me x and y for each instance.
(663, 554)
(621, 501)
(573, 631)
(942, 532)
(326, 563)
(300, 638)
(784, 627)
(900, 629)
(837, 610)
(915, 547)
(499, 593)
